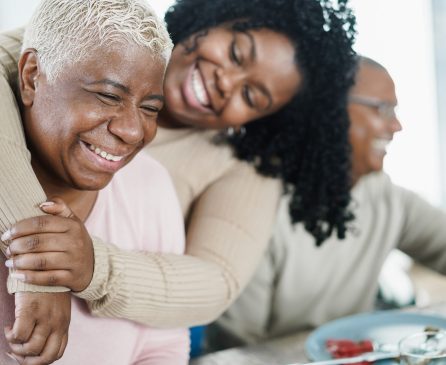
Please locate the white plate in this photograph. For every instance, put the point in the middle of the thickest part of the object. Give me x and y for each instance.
(383, 326)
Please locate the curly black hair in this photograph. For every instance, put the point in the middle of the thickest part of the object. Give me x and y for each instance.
(305, 143)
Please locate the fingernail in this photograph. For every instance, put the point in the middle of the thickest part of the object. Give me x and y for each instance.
(9, 263)
(17, 276)
(46, 204)
(8, 252)
(6, 236)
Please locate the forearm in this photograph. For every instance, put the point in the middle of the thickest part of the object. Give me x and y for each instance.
(166, 290)
(160, 290)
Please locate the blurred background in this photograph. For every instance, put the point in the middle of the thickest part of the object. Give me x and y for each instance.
(404, 36)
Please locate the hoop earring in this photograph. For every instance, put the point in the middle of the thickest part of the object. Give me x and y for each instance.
(235, 131)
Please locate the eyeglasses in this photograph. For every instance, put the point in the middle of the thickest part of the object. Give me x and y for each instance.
(385, 109)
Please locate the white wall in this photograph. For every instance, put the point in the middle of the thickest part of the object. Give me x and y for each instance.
(14, 13)
(397, 33)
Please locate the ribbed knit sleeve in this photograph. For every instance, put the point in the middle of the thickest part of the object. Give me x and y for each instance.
(228, 231)
(158, 290)
(20, 192)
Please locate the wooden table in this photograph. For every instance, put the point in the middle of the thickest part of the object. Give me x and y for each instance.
(281, 351)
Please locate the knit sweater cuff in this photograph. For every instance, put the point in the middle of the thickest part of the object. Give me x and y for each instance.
(16, 286)
(97, 287)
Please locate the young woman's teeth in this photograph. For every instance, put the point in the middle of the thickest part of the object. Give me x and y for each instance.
(198, 87)
(105, 155)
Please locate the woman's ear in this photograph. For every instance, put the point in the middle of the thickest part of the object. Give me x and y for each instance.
(29, 71)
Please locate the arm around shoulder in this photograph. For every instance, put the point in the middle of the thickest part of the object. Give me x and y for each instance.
(229, 228)
(21, 192)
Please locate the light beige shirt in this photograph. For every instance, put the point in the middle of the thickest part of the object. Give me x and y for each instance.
(301, 286)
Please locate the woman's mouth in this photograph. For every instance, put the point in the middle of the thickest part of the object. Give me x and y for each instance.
(104, 154)
(194, 90)
(101, 158)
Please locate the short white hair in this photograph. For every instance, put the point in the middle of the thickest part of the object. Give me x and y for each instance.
(67, 31)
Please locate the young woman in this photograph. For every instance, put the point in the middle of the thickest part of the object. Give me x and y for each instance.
(222, 76)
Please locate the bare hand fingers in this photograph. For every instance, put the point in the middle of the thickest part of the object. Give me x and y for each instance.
(47, 312)
(63, 346)
(57, 207)
(22, 329)
(36, 243)
(49, 354)
(15, 359)
(36, 225)
(39, 261)
(35, 345)
(46, 278)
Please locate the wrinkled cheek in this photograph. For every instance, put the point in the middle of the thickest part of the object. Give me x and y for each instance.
(150, 133)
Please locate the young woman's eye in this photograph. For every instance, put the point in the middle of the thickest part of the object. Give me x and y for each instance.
(235, 53)
(248, 96)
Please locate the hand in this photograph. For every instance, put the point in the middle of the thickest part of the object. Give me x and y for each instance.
(40, 332)
(53, 250)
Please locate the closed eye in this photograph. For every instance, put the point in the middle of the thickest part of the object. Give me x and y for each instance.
(247, 96)
(151, 109)
(234, 53)
(107, 98)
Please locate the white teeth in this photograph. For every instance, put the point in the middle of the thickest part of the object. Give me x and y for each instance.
(380, 144)
(103, 154)
(199, 89)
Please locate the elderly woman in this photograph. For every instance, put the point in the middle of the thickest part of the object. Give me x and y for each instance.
(67, 118)
(222, 77)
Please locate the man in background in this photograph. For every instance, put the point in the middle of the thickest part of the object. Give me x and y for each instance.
(300, 286)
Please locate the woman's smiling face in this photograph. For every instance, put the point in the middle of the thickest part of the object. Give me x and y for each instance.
(92, 119)
(230, 77)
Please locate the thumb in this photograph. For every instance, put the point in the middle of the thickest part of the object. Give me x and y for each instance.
(57, 207)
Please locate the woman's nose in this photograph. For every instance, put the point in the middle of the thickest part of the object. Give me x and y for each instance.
(228, 79)
(129, 127)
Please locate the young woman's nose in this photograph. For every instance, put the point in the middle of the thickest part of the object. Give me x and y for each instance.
(128, 126)
(228, 79)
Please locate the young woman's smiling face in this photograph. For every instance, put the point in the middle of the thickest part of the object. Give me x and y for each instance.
(230, 77)
(94, 117)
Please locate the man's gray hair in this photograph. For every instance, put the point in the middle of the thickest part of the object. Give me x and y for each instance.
(67, 31)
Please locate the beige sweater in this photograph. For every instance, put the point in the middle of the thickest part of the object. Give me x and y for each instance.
(229, 210)
(299, 286)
